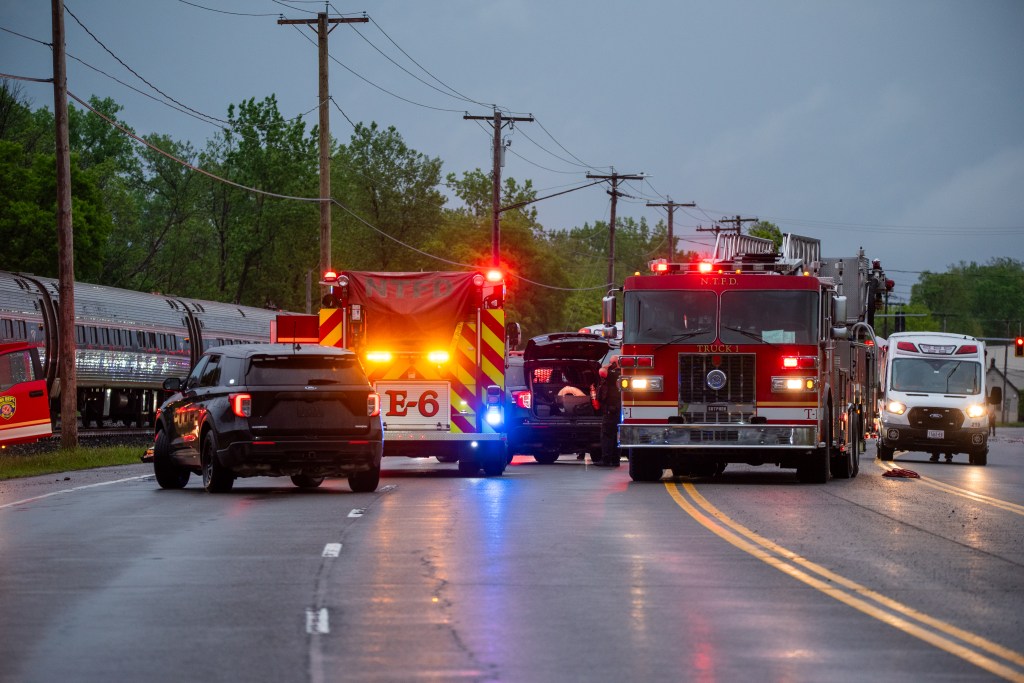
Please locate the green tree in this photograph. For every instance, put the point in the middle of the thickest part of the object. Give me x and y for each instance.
(767, 230)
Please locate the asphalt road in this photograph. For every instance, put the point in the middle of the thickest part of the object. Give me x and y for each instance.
(562, 572)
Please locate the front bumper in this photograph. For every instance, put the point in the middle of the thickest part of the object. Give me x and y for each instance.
(718, 436)
(906, 438)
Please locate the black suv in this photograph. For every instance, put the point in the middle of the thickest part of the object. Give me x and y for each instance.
(550, 406)
(249, 410)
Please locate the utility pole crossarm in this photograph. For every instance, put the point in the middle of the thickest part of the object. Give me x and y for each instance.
(498, 121)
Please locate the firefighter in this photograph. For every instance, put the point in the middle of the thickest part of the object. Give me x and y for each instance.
(609, 398)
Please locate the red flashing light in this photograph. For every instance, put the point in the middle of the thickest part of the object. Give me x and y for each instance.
(705, 267)
(906, 346)
(495, 275)
(802, 362)
(1018, 347)
(330, 276)
(660, 266)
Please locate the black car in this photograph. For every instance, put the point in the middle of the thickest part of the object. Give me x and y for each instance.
(550, 405)
(270, 410)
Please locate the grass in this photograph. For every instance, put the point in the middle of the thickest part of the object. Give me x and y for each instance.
(17, 466)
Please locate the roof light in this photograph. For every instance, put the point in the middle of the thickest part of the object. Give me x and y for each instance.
(494, 275)
(438, 357)
(705, 267)
(659, 265)
(379, 356)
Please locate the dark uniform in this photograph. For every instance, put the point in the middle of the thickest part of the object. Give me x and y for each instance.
(609, 398)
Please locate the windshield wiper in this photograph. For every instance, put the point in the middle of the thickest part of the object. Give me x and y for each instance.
(752, 335)
(681, 338)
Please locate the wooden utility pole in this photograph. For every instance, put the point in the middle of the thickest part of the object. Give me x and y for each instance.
(322, 22)
(497, 122)
(615, 178)
(66, 350)
(671, 206)
(738, 222)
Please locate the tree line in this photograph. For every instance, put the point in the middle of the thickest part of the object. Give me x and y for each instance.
(145, 221)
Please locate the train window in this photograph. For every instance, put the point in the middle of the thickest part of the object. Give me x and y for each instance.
(152, 340)
(20, 329)
(7, 329)
(93, 335)
(211, 375)
(163, 341)
(79, 334)
(105, 336)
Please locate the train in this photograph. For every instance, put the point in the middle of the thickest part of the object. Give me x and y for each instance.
(128, 342)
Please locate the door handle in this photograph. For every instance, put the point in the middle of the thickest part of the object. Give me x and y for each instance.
(36, 394)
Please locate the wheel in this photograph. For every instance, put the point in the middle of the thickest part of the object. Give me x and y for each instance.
(305, 481)
(645, 470)
(469, 468)
(168, 474)
(884, 452)
(815, 469)
(365, 481)
(216, 477)
(446, 458)
(546, 458)
(978, 457)
(494, 464)
(843, 463)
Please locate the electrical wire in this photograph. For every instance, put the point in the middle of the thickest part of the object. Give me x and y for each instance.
(237, 14)
(22, 35)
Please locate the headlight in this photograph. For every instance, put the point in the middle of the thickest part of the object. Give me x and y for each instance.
(896, 407)
(976, 411)
(643, 383)
(782, 384)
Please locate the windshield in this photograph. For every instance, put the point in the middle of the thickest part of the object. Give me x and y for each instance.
(308, 370)
(771, 317)
(936, 375)
(654, 317)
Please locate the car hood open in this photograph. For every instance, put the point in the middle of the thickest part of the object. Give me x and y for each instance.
(566, 346)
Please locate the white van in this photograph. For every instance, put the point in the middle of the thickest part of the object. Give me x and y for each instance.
(932, 396)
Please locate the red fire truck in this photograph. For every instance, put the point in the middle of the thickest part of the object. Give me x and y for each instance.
(751, 356)
(434, 346)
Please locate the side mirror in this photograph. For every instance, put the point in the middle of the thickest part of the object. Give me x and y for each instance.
(839, 310)
(995, 397)
(514, 334)
(172, 384)
(608, 311)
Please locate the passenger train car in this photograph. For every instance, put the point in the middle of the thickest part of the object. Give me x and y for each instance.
(127, 342)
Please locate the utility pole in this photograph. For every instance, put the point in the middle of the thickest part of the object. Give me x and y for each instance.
(615, 178)
(737, 221)
(497, 122)
(322, 22)
(65, 241)
(671, 206)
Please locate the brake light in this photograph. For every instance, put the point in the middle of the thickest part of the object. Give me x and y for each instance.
(967, 348)
(523, 399)
(372, 404)
(906, 346)
(241, 404)
(627, 361)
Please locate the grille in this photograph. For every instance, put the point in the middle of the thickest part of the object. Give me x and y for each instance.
(946, 418)
(739, 378)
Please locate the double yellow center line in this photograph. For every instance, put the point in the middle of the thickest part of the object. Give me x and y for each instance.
(992, 657)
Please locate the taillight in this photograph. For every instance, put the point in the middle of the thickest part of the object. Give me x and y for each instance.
(967, 348)
(523, 399)
(372, 404)
(241, 404)
(906, 346)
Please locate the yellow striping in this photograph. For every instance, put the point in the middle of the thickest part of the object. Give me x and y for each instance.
(332, 338)
(963, 493)
(496, 343)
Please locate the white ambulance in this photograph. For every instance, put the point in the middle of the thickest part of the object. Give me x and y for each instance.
(932, 396)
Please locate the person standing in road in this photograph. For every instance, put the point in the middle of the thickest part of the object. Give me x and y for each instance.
(609, 398)
(991, 419)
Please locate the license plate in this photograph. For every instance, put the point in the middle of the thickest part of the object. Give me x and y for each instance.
(717, 409)
(936, 434)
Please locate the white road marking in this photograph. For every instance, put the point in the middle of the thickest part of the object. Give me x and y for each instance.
(357, 512)
(332, 550)
(386, 488)
(317, 622)
(72, 490)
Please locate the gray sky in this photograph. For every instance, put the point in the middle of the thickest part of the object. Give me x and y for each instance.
(896, 125)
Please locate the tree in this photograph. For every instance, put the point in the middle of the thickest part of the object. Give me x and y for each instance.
(767, 230)
(979, 300)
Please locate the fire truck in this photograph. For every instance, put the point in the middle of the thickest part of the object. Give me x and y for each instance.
(755, 356)
(434, 346)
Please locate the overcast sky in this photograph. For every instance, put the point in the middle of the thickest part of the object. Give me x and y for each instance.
(896, 125)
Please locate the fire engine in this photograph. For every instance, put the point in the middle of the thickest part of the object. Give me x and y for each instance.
(753, 356)
(434, 346)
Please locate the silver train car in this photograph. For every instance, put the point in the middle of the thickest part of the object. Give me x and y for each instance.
(127, 342)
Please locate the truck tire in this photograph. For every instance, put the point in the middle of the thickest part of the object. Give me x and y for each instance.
(816, 469)
(546, 457)
(216, 477)
(642, 469)
(365, 481)
(885, 453)
(305, 481)
(168, 474)
(978, 457)
(469, 468)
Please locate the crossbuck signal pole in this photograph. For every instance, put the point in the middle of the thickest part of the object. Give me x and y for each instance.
(615, 178)
(671, 206)
(322, 22)
(497, 122)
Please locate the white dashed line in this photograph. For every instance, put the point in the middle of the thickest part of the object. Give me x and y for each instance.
(357, 512)
(317, 622)
(332, 550)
